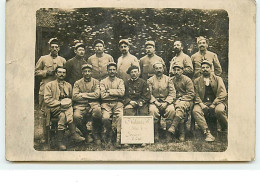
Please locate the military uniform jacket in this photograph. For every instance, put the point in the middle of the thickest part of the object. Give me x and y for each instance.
(161, 89)
(124, 63)
(73, 67)
(116, 89)
(45, 63)
(217, 86)
(52, 93)
(85, 92)
(197, 58)
(137, 90)
(184, 88)
(146, 66)
(184, 60)
(100, 65)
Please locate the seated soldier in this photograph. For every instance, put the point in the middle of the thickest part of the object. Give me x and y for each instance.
(184, 97)
(137, 94)
(57, 96)
(210, 97)
(162, 96)
(112, 90)
(86, 94)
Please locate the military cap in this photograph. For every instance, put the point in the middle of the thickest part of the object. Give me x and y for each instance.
(131, 68)
(150, 42)
(201, 38)
(79, 45)
(53, 41)
(179, 65)
(206, 62)
(111, 64)
(157, 63)
(125, 41)
(86, 66)
(98, 41)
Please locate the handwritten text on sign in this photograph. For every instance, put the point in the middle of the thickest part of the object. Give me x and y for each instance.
(137, 130)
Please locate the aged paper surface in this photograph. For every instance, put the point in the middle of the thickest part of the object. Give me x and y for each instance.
(20, 66)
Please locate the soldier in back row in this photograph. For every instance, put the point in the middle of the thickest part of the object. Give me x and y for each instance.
(125, 60)
(99, 60)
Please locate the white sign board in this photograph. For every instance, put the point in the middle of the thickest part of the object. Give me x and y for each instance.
(137, 130)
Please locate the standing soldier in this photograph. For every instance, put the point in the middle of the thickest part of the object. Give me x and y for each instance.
(181, 59)
(204, 54)
(99, 60)
(112, 91)
(147, 62)
(45, 68)
(210, 96)
(86, 94)
(163, 95)
(126, 60)
(137, 94)
(74, 65)
(57, 96)
(184, 97)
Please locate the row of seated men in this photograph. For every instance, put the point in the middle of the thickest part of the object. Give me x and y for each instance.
(106, 92)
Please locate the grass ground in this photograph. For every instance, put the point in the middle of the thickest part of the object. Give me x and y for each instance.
(193, 143)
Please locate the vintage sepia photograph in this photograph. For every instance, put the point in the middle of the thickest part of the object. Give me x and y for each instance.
(131, 79)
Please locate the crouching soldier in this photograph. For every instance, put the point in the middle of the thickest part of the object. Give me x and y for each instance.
(86, 94)
(184, 97)
(112, 91)
(137, 94)
(57, 96)
(162, 96)
(210, 97)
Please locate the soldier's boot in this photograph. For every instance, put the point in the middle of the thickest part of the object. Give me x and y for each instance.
(156, 131)
(74, 135)
(175, 123)
(60, 135)
(96, 131)
(168, 134)
(182, 131)
(209, 136)
(118, 140)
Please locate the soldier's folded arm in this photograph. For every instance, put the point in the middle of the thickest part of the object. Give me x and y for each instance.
(118, 92)
(103, 91)
(39, 68)
(48, 99)
(76, 95)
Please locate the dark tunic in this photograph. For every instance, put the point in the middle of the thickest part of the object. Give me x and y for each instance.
(137, 90)
(73, 67)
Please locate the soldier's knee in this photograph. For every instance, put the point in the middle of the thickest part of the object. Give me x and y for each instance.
(97, 114)
(77, 116)
(153, 109)
(219, 110)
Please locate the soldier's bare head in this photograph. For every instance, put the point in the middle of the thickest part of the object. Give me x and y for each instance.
(60, 72)
(177, 46)
(158, 69)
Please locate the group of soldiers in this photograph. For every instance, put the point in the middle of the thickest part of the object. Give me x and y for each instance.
(104, 91)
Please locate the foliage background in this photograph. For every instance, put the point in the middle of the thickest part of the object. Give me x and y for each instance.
(164, 26)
